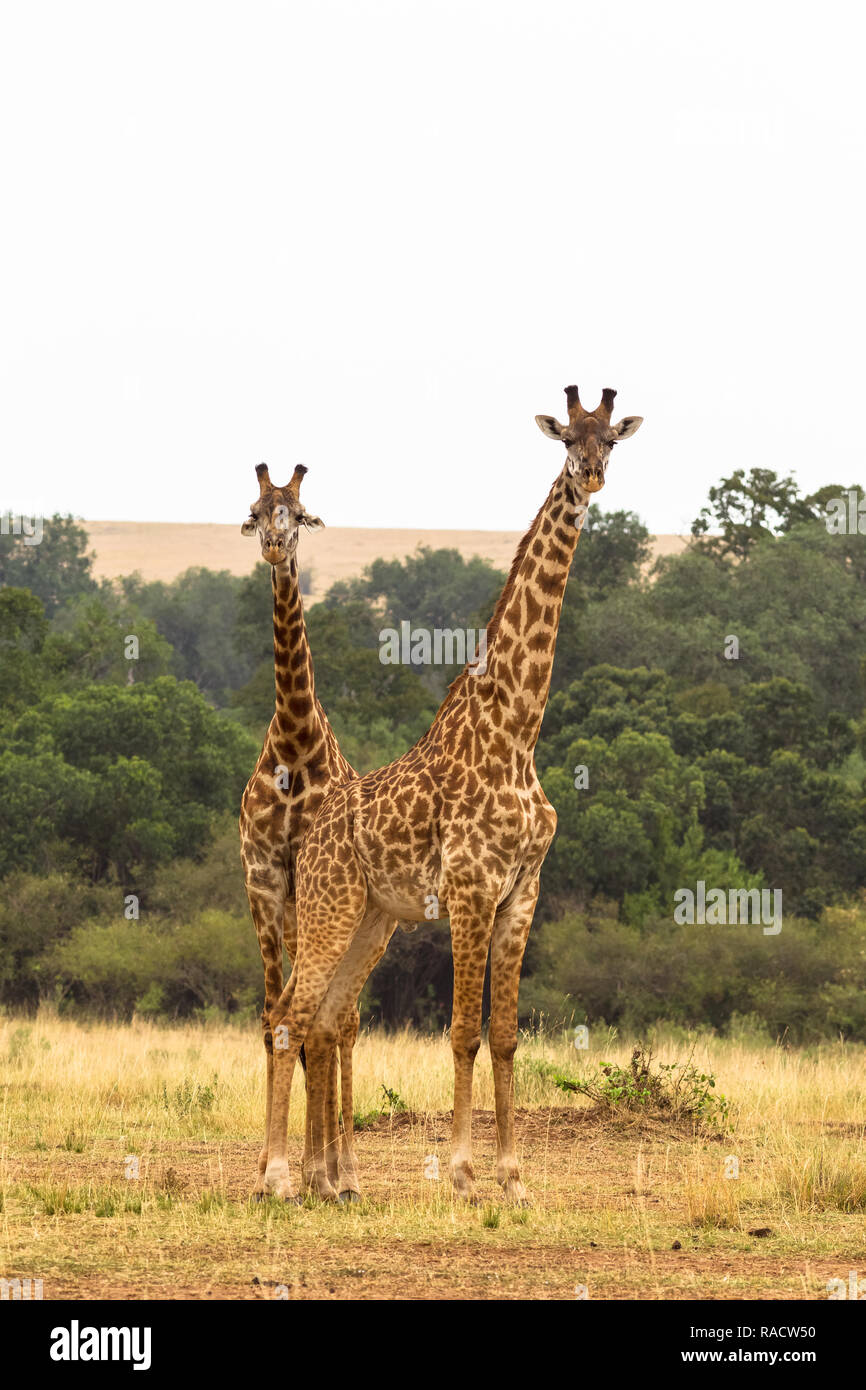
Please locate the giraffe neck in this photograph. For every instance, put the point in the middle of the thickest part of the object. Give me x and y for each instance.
(521, 636)
(296, 709)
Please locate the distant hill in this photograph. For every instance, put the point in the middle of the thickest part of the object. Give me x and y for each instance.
(162, 550)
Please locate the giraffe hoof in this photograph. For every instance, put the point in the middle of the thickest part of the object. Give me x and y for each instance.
(257, 1197)
(294, 1199)
(349, 1197)
(319, 1189)
(515, 1194)
(467, 1199)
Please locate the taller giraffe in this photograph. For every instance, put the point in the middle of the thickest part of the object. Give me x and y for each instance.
(299, 762)
(461, 816)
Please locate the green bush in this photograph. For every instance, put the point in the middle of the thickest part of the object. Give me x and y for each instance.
(174, 969)
(807, 983)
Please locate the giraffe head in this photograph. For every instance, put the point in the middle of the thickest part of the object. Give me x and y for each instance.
(589, 436)
(277, 515)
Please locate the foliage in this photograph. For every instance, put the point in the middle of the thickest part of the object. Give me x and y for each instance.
(200, 615)
(172, 968)
(432, 588)
(88, 644)
(55, 570)
(676, 1090)
(667, 762)
(123, 777)
(23, 628)
(806, 983)
(745, 510)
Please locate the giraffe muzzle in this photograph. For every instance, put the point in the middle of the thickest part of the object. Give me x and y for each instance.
(592, 479)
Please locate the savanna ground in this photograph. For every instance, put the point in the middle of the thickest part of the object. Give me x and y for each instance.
(628, 1206)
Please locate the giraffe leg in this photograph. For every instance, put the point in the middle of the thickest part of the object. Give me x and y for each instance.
(324, 935)
(349, 1186)
(267, 907)
(321, 1151)
(471, 927)
(277, 1180)
(510, 932)
(339, 1158)
(332, 1123)
(314, 1096)
(337, 1020)
(290, 941)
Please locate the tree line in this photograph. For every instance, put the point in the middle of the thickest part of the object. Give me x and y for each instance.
(706, 722)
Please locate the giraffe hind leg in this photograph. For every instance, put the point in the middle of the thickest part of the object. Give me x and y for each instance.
(336, 1021)
(326, 926)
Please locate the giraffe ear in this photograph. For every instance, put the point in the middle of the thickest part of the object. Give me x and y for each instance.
(249, 527)
(312, 523)
(627, 426)
(550, 426)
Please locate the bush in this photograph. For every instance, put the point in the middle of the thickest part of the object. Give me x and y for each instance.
(807, 983)
(173, 969)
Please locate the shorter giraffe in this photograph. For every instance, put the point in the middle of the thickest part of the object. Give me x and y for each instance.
(299, 762)
(462, 819)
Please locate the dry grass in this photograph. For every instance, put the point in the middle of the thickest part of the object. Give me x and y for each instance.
(163, 550)
(613, 1194)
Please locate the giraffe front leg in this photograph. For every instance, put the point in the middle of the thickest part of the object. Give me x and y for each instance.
(471, 927)
(259, 1189)
(267, 913)
(288, 1042)
(510, 933)
(277, 1179)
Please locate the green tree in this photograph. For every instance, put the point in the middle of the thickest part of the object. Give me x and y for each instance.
(198, 613)
(125, 776)
(89, 642)
(613, 550)
(23, 628)
(56, 570)
(746, 509)
(622, 820)
(431, 589)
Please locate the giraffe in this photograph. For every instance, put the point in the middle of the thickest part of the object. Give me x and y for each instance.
(462, 817)
(299, 761)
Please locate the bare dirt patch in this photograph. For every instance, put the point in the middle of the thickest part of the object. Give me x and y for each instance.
(606, 1215)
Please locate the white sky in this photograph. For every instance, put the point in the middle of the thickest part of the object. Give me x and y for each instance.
(379, 238)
